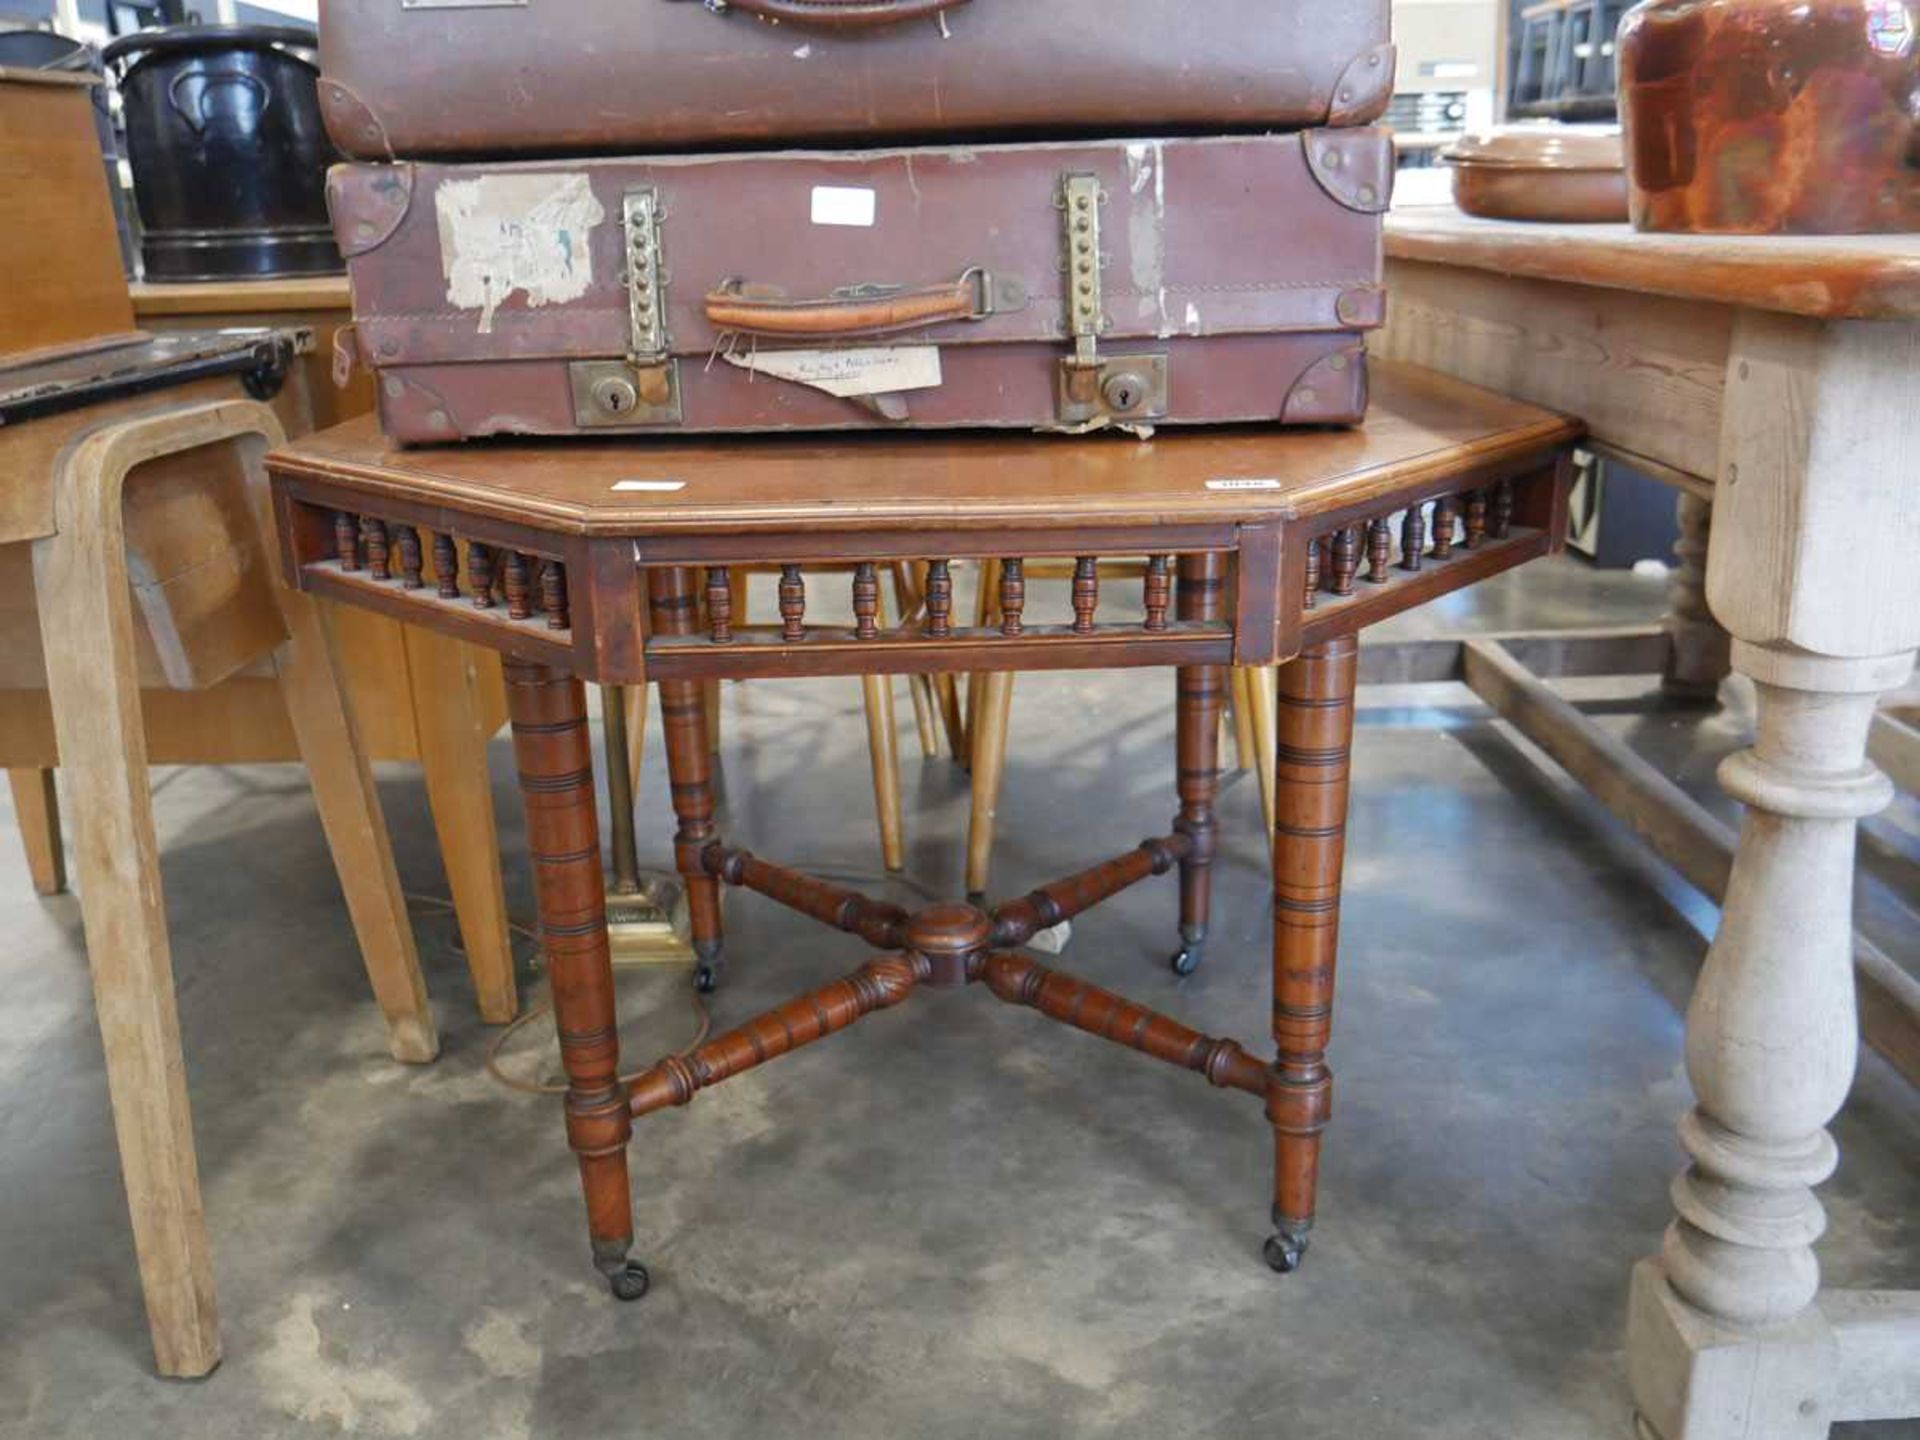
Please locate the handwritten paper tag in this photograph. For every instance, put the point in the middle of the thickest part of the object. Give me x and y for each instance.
(876, 370)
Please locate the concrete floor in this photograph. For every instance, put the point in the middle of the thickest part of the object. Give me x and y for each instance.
(959, 1220)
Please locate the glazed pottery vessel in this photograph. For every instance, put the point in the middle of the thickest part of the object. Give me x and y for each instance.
(1773, 116)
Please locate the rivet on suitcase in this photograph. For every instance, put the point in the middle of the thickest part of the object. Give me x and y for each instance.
(1064, 286)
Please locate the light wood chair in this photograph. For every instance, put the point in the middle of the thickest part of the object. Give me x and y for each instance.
(150, 576)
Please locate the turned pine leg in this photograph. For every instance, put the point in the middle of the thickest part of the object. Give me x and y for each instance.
(683, 721)
(555, 755)
(1315, 726)
(1202, 692)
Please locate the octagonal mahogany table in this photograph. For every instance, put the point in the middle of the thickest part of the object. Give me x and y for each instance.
(608, 561)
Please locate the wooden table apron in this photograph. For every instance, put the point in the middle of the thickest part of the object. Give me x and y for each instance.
(569, 594)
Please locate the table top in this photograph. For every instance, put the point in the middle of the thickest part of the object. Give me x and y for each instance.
(139, 363)
(1866, 277)
(1420, 423)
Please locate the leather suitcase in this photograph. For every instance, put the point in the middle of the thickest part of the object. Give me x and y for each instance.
(1067, 286)
(487, 78)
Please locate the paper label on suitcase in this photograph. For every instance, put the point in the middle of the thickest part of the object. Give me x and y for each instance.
(525, 232)
(874, 370)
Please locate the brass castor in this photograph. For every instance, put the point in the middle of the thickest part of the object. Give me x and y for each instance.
(1287, 1247)
(630, 1281)
(708, 970)
(1186, 959)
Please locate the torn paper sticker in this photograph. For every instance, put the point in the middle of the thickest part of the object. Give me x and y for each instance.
(529, 232)
(877, 370)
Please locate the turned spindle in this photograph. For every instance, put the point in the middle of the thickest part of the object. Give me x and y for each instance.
(519, 587)
(1501, 521)
(1314, 566)
(1346, 559)
(1379, 549)
(446, 567)
(379, 552)
(939, 599)
(719, 604)
(346, 540)
(1159, 591)
(408, 539)
(1413, 537)
(1443, 518)
(1476, 518)
(1013, 597)
(1086, 593)
(553, 595)
(480, 574)
(866, 601)
(793, 603)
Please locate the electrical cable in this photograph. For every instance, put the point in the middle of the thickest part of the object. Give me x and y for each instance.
(498, 1043)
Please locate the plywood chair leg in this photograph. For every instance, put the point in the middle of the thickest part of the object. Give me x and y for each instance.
(989, 773)
(884, 749)
(349, 806)
(86, 624)
(449, 696)
(36, 806)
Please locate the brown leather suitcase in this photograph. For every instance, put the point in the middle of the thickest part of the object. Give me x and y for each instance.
(417, 78)
(1067, 286)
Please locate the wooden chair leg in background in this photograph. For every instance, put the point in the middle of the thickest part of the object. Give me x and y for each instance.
(926, 706)
(1240, 711)
(884, 748)
(1261, 682)
(995, 690)
(448, 704)
(36, 806)
(943, 691)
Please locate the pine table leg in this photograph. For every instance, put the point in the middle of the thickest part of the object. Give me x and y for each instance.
(1729, 1335)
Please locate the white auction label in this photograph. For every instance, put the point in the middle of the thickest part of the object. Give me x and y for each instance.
(1243, 484)
(844, 205)
(871, 370)
(660, 486)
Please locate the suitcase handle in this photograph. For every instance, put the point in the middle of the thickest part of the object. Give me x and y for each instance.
(838, 14)
(860, 310)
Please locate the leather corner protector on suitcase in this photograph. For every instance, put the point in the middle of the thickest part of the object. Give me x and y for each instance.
(463, 78)
(1067, 286)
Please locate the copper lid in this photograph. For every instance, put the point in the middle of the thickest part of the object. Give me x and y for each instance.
(1541, 147)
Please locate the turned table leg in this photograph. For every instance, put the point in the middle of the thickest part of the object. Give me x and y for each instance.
(1312, 767)
(555, 755)
(1729, 1335)
(1202, 691)
(1698, 660)
(683, 722)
